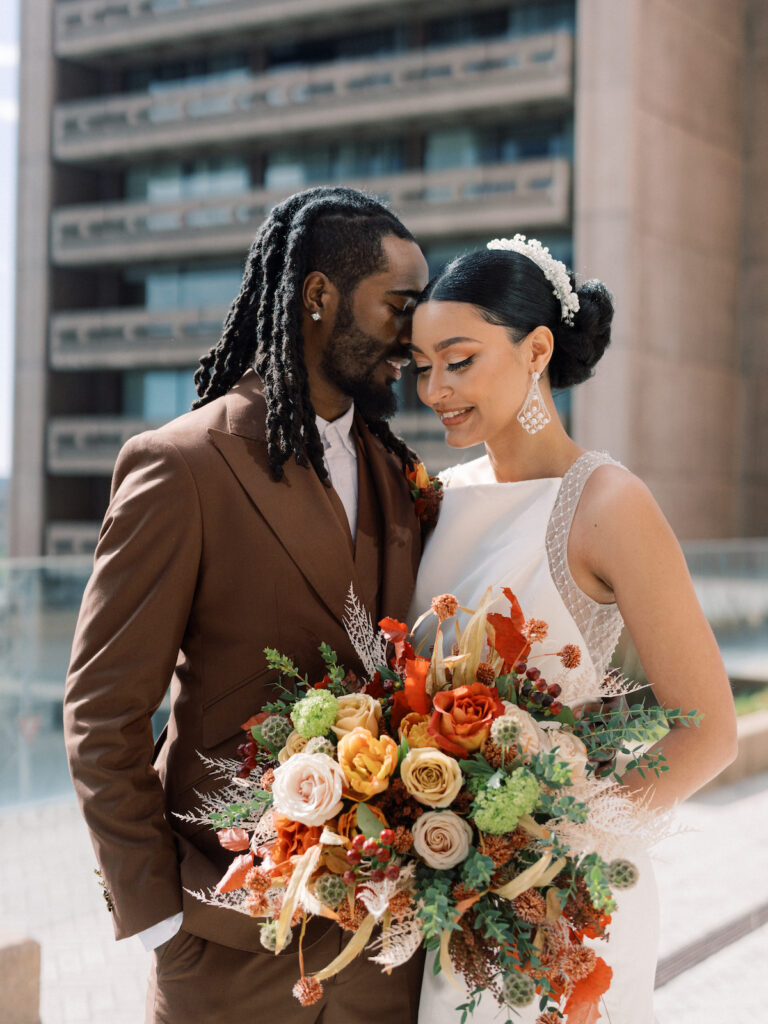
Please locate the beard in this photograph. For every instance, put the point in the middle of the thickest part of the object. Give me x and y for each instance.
(350, 361)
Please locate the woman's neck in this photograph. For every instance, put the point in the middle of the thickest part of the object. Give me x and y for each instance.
(521, 456)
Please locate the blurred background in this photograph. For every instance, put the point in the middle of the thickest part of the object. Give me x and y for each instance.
(142, 142)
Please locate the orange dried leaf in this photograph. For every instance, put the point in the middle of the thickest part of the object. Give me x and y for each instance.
(236, 874)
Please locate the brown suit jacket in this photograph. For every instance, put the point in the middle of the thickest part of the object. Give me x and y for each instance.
(204, 560)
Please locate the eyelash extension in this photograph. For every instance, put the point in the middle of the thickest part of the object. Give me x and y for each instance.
(451, 367)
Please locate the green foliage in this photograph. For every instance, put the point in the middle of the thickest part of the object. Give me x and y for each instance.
(402, 751)
(336, 672)
(237, 813)
(476, 870)
(437, 908)
(477, 773)
(282, 663)
(596, 874)
(562, 805)
(493, 924)
(505, 685)
(549, 769)
(367, 822)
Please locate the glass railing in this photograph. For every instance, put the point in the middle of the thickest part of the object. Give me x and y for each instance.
(40, 598)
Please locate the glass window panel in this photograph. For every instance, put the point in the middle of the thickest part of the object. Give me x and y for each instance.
(452, 148)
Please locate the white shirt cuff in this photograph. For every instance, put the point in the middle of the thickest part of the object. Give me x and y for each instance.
(161, 932)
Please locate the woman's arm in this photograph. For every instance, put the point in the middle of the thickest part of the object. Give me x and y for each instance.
(621, 539)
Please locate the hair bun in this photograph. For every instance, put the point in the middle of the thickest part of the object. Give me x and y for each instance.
(579, 348)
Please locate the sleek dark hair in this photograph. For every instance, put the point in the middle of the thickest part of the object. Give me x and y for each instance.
(337, 231)
(509, 289)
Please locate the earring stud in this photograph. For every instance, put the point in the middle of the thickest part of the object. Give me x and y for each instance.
(316, 316)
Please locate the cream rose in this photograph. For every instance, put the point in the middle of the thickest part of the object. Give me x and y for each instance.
(431, 776)
(442, 839)
(307, 788)
(293, 745)
(532, 738)
(569, 749)
(357, 711)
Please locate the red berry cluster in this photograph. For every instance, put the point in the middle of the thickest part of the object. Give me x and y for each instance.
(535, 692)
(368, 857)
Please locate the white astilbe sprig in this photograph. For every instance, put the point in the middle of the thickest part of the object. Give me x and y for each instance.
(227, 900)
(370, 645)
(375, 896)
(234, 791)
(618, 823)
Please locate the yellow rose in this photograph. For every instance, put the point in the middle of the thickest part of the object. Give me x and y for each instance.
(357, 710)
(293, 745)
(367, 762)
(413, 729)
(431, 776)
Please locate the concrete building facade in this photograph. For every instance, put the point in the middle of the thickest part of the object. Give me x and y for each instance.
(156, 134)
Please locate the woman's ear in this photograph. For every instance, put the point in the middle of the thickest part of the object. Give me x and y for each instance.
(541, 347)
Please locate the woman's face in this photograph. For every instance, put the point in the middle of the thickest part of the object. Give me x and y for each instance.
(470, 372)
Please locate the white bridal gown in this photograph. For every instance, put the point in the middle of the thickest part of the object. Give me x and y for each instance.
(515, 535)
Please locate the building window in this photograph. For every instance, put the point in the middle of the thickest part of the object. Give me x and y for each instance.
(297, 167)
(175, 180)
(173, 287)
(158, 395)
(508, 143)
(205, 70)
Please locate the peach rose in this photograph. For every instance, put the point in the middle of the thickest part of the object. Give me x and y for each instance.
(357, 711)
(307, 788)
(442, 839)
(293, 745)
(461, 719)
(569, 748)
(367, 762)
(414, 729)
(431, 776)
(532, 737)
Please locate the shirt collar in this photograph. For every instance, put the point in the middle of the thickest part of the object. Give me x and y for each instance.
(341, 426)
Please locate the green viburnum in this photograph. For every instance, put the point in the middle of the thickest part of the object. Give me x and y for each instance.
(314, 714)
(498, 810)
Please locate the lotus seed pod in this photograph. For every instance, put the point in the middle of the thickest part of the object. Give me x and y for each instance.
(268, 936)
(320, 745)
(505, 731)
(330, 890)
(276, 730)
(622, 874)
(518, 989)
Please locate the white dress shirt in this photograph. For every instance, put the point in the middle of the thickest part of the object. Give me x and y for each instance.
(340, 456)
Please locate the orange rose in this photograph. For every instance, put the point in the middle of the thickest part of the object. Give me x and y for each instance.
(292, 838)
(367, 762)
(414, 729)
(347, 826)
(461, 719)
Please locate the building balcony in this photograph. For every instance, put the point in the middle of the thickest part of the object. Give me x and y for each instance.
(89, 445)
(433, 204)
(78, 539)
(130, 339)
(99, 28)
(533, 73)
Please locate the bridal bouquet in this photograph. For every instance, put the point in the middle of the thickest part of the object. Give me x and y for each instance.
(448, 801)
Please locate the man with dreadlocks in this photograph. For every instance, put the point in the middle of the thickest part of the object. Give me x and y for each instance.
(239, 526)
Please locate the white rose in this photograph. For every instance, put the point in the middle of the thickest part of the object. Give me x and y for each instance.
(293, 745)
(442, 839)
(357, 711)
(569, 749)
(532, 738)
(307, 788)
(431, 776)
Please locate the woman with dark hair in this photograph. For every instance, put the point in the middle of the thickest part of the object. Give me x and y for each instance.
(572, 533)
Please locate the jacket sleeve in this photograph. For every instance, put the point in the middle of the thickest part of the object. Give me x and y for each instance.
(130, 629)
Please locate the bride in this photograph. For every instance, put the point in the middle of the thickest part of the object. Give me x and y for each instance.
(577, 537)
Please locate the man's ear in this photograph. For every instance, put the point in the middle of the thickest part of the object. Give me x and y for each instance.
(319, 296)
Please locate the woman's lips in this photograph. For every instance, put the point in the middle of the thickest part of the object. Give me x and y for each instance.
(453, 417)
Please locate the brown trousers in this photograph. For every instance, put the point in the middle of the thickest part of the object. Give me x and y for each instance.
(195, 981)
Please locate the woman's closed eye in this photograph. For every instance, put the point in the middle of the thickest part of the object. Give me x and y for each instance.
(451, 367)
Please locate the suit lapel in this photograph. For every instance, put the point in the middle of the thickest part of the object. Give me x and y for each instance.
(369, 540)
(298, 508)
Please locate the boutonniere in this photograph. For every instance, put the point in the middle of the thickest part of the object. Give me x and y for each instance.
(426, 492)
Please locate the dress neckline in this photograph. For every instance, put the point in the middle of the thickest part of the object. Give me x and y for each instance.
(483, 465)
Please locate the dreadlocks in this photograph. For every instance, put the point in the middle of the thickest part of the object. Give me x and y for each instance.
(338, 231)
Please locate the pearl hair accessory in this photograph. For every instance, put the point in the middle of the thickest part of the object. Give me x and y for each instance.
(554, 270)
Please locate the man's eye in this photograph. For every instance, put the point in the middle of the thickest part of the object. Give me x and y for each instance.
(401, 310)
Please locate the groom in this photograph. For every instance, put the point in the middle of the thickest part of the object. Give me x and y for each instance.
(238, 526)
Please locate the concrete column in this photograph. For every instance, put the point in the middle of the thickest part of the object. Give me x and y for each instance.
(27, 498)
(657, 216)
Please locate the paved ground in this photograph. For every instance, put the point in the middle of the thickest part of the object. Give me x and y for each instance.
(710, 874)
